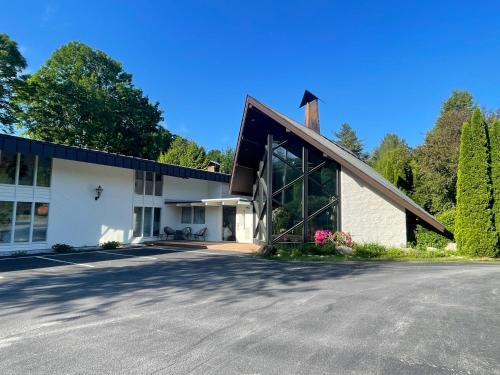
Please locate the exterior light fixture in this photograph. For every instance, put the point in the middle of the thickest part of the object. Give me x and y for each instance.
(98, 192)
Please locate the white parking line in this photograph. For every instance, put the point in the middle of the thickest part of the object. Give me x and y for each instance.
(64, 261)
(126, 255)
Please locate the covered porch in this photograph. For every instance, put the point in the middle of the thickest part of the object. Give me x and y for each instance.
(221, 219)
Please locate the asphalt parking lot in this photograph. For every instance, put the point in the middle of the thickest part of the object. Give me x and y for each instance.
(169, 311)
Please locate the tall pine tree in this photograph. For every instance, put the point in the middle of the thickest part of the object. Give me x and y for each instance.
(494, 133)
(475, 233)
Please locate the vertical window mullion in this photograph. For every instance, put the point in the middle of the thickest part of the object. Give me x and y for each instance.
(305, 191)
(32, 214)
(142, 221)
(35, 171)
(13, 226)
(18, 163)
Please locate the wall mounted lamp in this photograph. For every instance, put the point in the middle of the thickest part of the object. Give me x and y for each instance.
(98, 192)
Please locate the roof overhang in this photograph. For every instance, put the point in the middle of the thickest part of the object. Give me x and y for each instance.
(257, 118)
(214, 202)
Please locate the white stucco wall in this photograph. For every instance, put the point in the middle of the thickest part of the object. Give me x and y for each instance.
(191, 189)
(76, 218)
(369, 216)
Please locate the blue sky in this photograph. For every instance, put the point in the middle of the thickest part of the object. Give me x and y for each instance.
(382, 66)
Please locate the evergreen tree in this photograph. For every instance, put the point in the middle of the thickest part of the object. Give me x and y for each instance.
(348, 138)
(494, 135)
(474, 229)
(437, 158)
(392, 159)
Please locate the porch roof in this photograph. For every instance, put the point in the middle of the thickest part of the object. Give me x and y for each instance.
(209, 202)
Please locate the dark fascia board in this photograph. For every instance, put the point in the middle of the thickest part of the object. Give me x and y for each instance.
(54, 150)
(386, 191)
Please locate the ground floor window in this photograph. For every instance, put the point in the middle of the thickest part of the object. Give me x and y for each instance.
(146, 221)
(23, 222)
(193, 215)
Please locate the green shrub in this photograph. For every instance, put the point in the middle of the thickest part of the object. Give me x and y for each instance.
(494, 135)
(475, 232)
(394, 252)
(62, 248)
(447, 218)
(110, 245)
(368, 250)
(425, 238)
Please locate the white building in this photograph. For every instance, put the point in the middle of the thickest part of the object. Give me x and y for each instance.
(49, 193)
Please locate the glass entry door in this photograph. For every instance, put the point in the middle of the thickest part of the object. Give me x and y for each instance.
(228, 223)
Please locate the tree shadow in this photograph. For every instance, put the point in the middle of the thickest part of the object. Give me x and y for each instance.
(225, 279)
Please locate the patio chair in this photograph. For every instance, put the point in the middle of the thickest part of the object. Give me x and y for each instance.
(187, 232)
(201, 234)
(168, 232)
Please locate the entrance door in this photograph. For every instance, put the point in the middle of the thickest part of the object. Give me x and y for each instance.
(228, 223)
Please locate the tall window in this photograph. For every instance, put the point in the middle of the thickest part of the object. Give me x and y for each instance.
(137, 222)
(6, 211)
(8, 166)
(304, 192)
(156, 221)
(148, 183)
(23, 222)
(24, 171)
(186, 215)
(139, 182)
(40, 222)
(158, 185)
(146, 221)
(198, 215)
(43, 171)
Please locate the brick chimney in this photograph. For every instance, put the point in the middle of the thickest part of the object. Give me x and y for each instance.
(213, 166)
(312, 114)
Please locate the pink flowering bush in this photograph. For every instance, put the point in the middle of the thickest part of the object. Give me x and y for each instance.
(321, 237)
(325, 237)
(341, 239)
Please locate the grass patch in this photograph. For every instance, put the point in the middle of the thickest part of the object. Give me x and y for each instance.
(369, 252)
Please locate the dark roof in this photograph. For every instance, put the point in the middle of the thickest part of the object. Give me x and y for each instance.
(262, 115)
(54, 150)
(308, 97)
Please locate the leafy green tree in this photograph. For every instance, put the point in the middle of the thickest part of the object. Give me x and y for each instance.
(348, 138)
(186, 153)
(12, 64)
(474, 229)
(82, 97)
(392, 159)
(494, 137)
(437, 159)
(225, 158)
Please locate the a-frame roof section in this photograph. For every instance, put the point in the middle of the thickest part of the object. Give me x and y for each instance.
(346, 159)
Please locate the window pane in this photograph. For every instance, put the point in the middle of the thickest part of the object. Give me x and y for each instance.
(23, 222)
(293, 236)
(158, 185)
(199, 215)
(137, 221)
(287, 208)
(6, 221)
(139, 182)
(156, 221)
(322, 187)
(44, 171)
(325, 220)
(287, 165)
(8, 161)
(26, 169)
(149, 183)
(40, 222)
(186, 215)
(147, 221)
